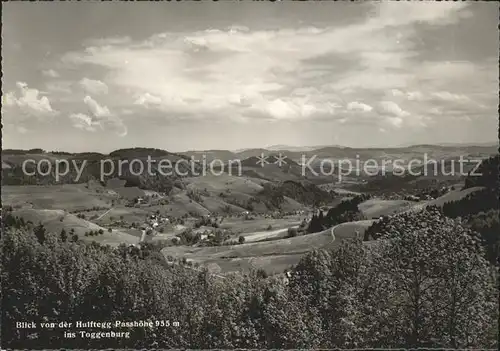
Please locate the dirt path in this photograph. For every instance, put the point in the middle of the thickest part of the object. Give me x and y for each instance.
(143, 237)
(105, 213)
(332, 231)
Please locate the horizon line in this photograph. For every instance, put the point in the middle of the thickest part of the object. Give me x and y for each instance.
(312, 148)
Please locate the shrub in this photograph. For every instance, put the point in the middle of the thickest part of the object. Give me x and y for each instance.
(292, 232)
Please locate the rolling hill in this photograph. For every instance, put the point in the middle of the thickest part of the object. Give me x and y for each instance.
(56, 220)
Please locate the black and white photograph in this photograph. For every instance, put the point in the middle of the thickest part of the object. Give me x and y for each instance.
(250, 175)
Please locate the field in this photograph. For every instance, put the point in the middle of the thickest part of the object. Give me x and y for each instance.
(56, 220)
(271, 256)
(375, 208)
(348, 230)
(225, 182)
(69, 197)
(242, 257)
(454, 195)
(239, 225)
(266, 246)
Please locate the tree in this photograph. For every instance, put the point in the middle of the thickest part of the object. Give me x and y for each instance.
(330, 284)
(241, 239)
(292, 232)
(423, 283)
(40, 233)
(63, 236)
(432, 274)
(315, 225)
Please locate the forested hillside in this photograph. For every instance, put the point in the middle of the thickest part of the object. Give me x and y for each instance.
(127, 164)
(478, 210)
(346, 211)
(426, 286)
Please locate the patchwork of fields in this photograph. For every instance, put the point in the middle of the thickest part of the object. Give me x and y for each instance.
(82, 207)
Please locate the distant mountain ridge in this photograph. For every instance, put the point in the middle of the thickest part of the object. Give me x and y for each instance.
(298, 148)
(249, 152)
(297, 154)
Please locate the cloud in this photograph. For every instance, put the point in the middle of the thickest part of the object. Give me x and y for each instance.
(288, 108)
(147, 99)
(98, 117)
(96, 109)
(423, 107)
(94, 86)
(50, 73)
(29, 101)
(108, 41)
(436, 13)
(410, 95)
(447, 96)
(290, 74)
(22, 130)
(84, 122)
(196, 72)
(395, 121)
(59, 87)
(359, 106)
(393, 109)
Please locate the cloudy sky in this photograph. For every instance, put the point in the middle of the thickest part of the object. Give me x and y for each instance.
(179, 76)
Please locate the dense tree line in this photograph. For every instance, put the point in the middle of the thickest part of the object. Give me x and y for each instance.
(22, 152)
(478, 210)
(139, 152)
(488, 171)
(91, 170)
(132, 174)
(346, 211)
(488, 225)
(481, 209)
(425, 285)
(479, 201)
(273, 195)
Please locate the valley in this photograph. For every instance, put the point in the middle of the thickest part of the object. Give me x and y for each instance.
(260, 219)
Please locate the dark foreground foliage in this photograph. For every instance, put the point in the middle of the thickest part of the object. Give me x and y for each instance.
(479, 210)
(423, 285)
